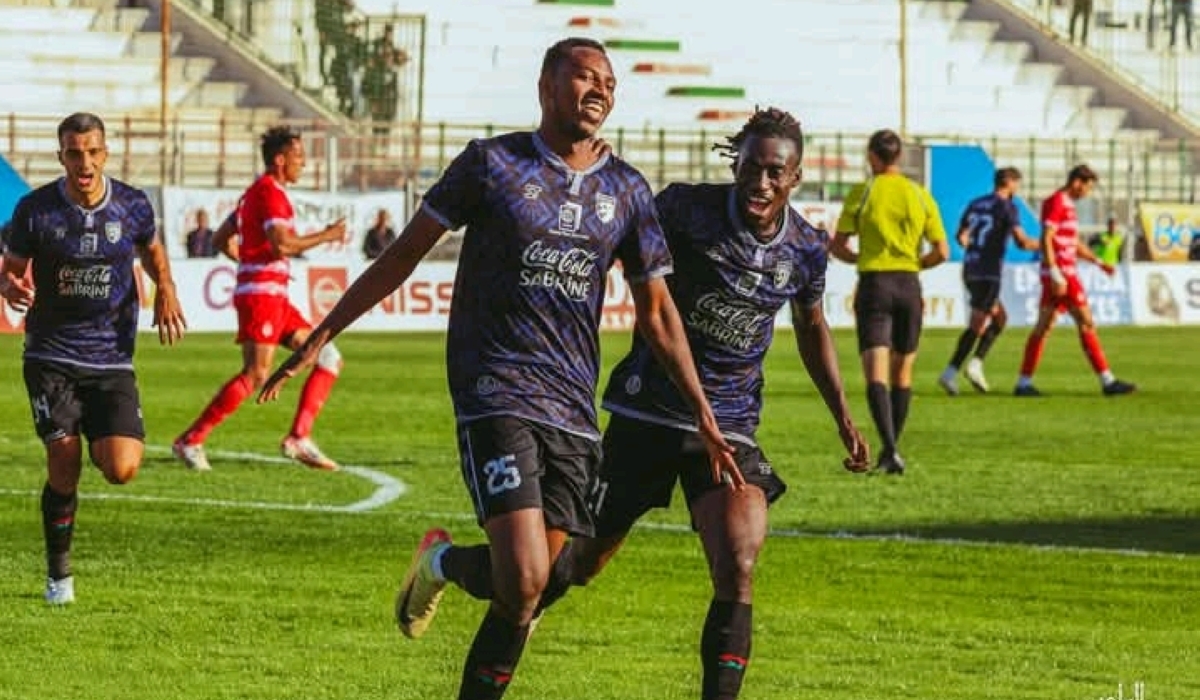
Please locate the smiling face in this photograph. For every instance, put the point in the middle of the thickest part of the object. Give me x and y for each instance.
(766, 172)
(578, 95)
(83, 155)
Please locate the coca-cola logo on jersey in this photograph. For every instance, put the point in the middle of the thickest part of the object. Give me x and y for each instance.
(730, 322)
(567, 270)
(93, 282)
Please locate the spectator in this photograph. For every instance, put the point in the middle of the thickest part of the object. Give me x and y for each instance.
(379, 236)
(199, 240)
(330, 20)
(1181, 9)
(381, 81)
(1081, 9)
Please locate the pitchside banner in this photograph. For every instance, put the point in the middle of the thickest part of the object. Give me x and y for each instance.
(314, 211)
(1165, 295)
(423, 302)
(1021, 293)
(1169, 230)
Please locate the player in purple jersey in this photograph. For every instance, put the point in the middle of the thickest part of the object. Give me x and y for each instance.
(81, 234)
(741, 253)
(986, 225)
(546, 213)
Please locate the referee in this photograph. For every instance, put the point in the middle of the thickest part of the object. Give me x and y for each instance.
(891, 215)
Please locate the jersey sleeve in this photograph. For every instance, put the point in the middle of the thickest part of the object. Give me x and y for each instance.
(454, 200)
(816, 262)
(22, 239)
(142, 220)
(934, 229)
(643, 251)
(275, 208)
(848, 220)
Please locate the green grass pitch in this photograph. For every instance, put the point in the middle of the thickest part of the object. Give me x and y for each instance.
(1037, 549)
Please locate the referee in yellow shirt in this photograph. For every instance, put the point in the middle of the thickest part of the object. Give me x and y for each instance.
(891, 215)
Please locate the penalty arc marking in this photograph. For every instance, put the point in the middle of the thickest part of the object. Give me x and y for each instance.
(387, 489)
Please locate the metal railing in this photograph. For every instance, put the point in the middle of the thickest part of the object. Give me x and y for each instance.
(392, 155)
(1134, 38)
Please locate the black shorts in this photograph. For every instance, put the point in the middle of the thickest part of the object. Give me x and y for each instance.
(511, 463)
(642, 461)
(983, 295)
(887, 311)
(68, 400)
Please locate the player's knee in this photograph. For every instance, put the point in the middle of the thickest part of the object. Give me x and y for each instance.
(120, 472)
(734, 575)
(329, 359)
(257, 376)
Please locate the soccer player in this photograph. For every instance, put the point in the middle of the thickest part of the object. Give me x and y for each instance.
(986, 225)
(893, 217)
(740, 254)
(1061, 288)
(266, 318)
(81, 233)
(546, 215)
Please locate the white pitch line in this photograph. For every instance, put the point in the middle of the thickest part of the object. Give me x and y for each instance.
(388, 488)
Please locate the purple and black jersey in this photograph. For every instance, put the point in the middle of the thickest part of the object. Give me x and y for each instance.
(990, 219)
(729, 286)
(540, 238)
(85, 309)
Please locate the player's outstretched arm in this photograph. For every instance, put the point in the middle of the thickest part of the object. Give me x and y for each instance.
(380, 279)
(1084, 252)
(817, 351)
(287, 244)
(168, 314)
(1024, 240)
(15, 289)
(658, 321)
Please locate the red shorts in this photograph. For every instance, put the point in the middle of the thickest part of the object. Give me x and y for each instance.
(266, 319)
(1073, 297)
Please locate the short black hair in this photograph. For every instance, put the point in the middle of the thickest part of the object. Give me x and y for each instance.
(80, 123)
(560, 52)
(764, 123)
(886, 145)
(1082, 172)
(275, 141)
(1004, 176)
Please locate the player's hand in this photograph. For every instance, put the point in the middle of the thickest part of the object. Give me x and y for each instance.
(1108, 269)
(337, 232)
(299, 361)
(168, 315)
(17, 291)
(720, 453)
(859, 459)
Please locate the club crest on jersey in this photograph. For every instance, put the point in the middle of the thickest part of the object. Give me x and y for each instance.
(112, 231)
(60, 233)
(783, 273)
(606, 207)
(531, 191)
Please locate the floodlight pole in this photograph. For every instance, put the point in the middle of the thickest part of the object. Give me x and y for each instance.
(903, 69)
(164, 87)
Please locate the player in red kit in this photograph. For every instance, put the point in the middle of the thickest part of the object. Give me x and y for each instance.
(266, 226)
(1061, 288)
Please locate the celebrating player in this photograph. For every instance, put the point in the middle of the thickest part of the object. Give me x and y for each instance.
(266, 317)
(82, 233)
(546, 215)
(1061, 288)
(986, 225)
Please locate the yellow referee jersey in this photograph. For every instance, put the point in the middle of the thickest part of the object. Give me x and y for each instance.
(890, 214)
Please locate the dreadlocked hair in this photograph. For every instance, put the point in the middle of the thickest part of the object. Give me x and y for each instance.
(764, 123)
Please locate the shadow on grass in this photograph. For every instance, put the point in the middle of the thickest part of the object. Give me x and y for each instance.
(1179, 534)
